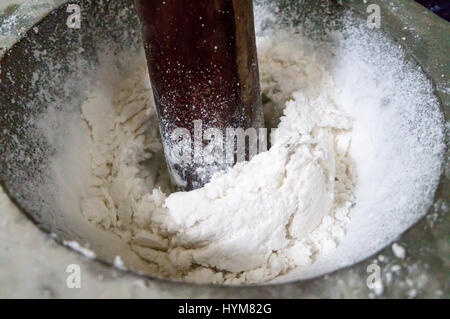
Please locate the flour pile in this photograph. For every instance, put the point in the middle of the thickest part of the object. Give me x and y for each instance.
(253, 223)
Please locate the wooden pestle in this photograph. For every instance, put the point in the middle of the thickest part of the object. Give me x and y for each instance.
(202, 61)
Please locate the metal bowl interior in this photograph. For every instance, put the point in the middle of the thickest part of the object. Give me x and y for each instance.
(28, 80)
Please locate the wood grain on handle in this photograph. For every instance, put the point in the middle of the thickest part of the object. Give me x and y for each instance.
(203, 66)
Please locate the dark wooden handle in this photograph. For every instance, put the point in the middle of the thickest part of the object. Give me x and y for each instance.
(203, 66)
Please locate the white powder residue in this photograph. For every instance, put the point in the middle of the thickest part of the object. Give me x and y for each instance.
(253, 223)
(77, 247)
(398, 251)
(118, 263)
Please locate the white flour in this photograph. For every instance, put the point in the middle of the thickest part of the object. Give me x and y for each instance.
(398, 144)
(257, 221)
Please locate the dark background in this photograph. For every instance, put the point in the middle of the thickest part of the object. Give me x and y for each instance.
(440, 7)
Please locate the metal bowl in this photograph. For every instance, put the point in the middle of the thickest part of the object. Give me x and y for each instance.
(24, 96)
